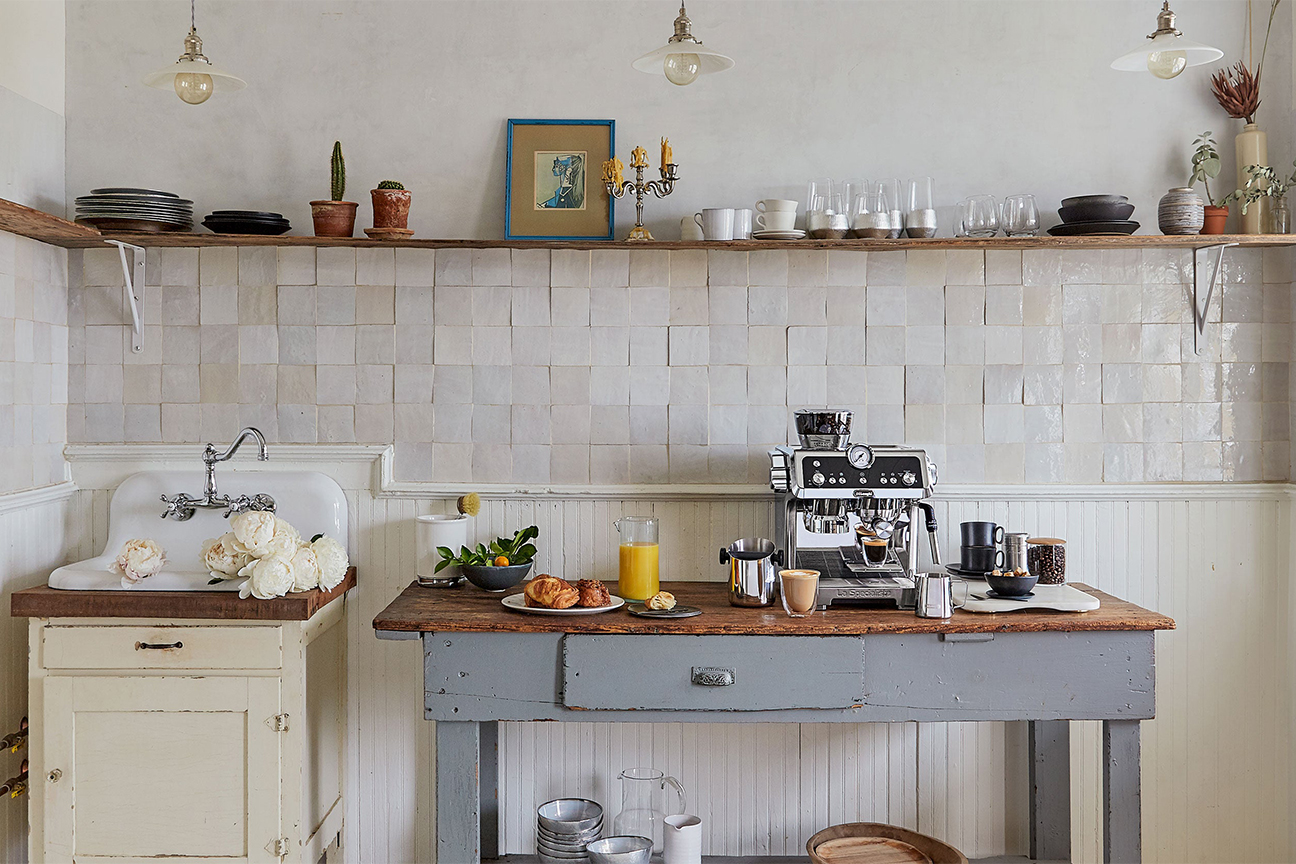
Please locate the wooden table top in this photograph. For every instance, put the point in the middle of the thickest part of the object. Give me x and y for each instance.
(47, 602)
(468, 609)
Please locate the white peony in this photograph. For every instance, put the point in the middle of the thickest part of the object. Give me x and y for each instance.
(267, 578)
(255, 529)
(137, 560)
(224, 556)
(305, 569)
(333, 562)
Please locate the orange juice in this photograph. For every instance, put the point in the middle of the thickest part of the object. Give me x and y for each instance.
(639, 577)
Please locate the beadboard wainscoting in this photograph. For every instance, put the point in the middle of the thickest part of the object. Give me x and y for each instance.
(1216, 764)
(37, 534)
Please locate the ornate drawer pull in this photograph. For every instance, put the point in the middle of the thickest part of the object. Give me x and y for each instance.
(713, 676)
(157, 646)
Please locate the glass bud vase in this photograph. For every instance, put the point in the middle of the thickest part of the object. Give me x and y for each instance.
(1279, 217)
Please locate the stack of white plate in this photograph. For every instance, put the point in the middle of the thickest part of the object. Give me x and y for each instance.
(564, 826)
(122, 208)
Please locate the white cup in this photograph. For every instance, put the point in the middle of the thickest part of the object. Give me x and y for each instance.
(776, 220)
(769, 205)
(742, 229)
(683, 839)
(690, 230)
(430, 533)
(717, 223)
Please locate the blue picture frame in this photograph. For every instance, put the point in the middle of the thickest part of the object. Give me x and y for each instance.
(508, 180)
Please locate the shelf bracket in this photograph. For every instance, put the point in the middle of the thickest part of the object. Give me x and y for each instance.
(133, 273)
(1201, 303)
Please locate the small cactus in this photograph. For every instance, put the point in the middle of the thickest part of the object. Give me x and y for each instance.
(391, 184)
(338, 187)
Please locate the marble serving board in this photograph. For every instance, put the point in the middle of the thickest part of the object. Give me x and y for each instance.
(1062, 598)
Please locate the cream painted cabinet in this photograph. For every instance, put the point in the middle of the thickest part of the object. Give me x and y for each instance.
(187, 740)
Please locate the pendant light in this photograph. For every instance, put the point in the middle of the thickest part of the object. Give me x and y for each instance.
(1168, 53)
(193, 77)
(683, 58)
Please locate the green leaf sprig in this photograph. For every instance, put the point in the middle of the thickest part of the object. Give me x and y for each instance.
(518, 550)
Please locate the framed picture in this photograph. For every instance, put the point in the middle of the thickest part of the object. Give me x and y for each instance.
(553, 182)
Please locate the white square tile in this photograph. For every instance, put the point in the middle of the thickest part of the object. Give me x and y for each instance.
(492, 306)
(728, 345)
(885, 423)
(808, 267)
(1005, 463)
(885, 305)
(924, 385)
(569, 346)
(452, 305)
(417, 267)
(925, 344)
(767, 305)
(1163, 422)
(413, 384)
(1203, 461)
(1082, 424)
(649, 268)
(728, 304)
(846, 306)
(1003, 384)
(1162, 383)
(689, 305)
(491, 267)
(1045, 463)
(530, 385)
(1042, 424)
(688, 268)
(649, 307)
(924, 424)
(884, 346)
(569, 307)
(334, 266)
(648, 346)
(1004, 424)
(530, 306)
(965, 267)
(1003, 304)
(767, 385)
(570, 424)
(493, 345)
(886, 268)
(216, 266)
(1122, 343)
(610, 268)
(847, 269)
(610, 307)
(925, 267)
(767, 424)
(649, 463)
(609, 385)
(649, 385)
(807, 346)
(726, 268)
(453, 346)
(528, 268)
(530, 424)
(1042, 385)
(689, 385)
(491, 424)
(807, 385)
(1123, 463)
(846, 385)
(1122, 382)
(689, 346)
(610, 346)
(1043, 345)
(1042, 267)
(1082, 343)
(1042, 305)
(569, 268)
(965, 384)
(688, 424)
(767, 346)
(965, 305)
(768, 268)
(886, 385)
(1003, 267)
(375, 266)
(1082, 304)
(728, 385)
(1003, 345)
(925, 305)
(531, 345)
(807, 305)
(728, 424)
(1162, 462)
(648, 424)
(1123, 423)
(569, 463)
(963, 424)
(1121, 304)
(845, 345)
(569, 385)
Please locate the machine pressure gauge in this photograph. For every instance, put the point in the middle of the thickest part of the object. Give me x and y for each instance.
(860, 456)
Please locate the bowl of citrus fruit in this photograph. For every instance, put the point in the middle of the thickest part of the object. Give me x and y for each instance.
(497, 567)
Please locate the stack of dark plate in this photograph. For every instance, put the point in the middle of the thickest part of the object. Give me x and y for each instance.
(124, 208)
(246, 222)
(1095, 215)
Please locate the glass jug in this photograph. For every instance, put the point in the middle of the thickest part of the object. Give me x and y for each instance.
(643, 791)
(638, 577)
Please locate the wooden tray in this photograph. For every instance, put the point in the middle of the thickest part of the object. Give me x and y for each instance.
(878, 843)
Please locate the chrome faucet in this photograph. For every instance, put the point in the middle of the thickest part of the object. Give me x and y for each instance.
(182, 507)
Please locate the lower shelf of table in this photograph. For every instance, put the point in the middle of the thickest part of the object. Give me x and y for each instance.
(774, 859)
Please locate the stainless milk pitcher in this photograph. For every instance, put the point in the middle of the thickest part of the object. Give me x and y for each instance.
(936, 596)
(753, 571)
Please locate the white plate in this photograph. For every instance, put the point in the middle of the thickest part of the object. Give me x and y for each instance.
(1061, 598)
(518, 603)
(794, 234)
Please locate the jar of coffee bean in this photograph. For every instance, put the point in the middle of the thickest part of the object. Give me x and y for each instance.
(1046, 558)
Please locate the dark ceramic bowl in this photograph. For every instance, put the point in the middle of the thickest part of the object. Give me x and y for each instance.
(1094, 199)
(1011, 586)
(495, 578)
(1096, 211)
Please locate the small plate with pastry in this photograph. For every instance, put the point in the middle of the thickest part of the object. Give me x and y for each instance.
(549, 595)
(662, 605)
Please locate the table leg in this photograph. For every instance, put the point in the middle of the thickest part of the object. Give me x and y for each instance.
(489, 789)
(1122, 807)
(458, 805)
(1050, 781)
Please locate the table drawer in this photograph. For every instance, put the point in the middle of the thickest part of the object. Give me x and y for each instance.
(711, 673)
(100, 647)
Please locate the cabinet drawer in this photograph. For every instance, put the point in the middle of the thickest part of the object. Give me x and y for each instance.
(99, 647)
(712, 673)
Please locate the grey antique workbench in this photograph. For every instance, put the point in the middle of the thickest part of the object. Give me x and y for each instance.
(484, 664)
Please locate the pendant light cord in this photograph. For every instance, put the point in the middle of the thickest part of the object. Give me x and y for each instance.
(193, 21)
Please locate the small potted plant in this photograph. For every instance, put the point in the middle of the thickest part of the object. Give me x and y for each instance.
(391, 204)
(1205, 167)
(335, 217)
(1264, 182)
(497, 567)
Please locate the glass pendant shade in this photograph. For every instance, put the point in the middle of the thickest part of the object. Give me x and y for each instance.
(683, 58)
(194, 77)
(1166, 56)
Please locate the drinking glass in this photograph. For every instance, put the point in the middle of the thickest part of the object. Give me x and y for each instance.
(798, 588)
(891, 191)
(920, 215)
(819, 197)
(980, 215)
(1020, 216)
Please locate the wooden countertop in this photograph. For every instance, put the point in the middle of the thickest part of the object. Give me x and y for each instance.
(468, 609)
(46, 602)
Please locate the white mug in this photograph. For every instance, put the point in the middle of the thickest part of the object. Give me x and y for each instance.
(690, 230)
(776, 220)
(742, 229)
(717, 223)
(683, 839)
(775, 204)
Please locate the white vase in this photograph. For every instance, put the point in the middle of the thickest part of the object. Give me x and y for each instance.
(1252, 148)
(434, 531)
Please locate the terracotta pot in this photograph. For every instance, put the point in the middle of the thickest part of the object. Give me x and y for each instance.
(390, 207)
(1215, 218)
(334, 218)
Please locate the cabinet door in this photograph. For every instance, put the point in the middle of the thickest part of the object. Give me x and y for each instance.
(181, 768)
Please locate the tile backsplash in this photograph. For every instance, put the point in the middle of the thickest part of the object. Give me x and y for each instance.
(33, 363)
(615, 366)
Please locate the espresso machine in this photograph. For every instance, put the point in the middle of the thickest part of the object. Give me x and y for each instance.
(836, 498)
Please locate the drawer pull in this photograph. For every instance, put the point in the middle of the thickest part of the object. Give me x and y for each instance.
(157, 646)
(712, 676)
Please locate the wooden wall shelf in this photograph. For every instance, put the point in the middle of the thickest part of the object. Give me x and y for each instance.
(17, 219)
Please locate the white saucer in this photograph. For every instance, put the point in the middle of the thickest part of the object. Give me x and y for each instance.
(794, 234)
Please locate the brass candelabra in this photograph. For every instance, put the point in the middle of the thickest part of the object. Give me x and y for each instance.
(617, 186)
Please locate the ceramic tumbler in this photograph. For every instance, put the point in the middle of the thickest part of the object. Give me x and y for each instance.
(742, 226)
(683, 839)
(430, 533)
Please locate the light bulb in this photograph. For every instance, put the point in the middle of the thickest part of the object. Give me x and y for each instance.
(682, 69)
(1167, 64)
(194, 88)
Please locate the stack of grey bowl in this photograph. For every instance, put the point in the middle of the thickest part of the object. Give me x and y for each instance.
(1095, 215)
(564, 826)
(127, 208)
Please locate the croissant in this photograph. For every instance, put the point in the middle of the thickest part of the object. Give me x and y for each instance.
(550, 592)
(662, 600)
(593, 593)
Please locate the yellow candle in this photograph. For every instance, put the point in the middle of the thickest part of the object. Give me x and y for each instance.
(666, 157)
(639, 575)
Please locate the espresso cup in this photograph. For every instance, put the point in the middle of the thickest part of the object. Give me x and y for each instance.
(742, 226)
(717, 223)
(775, 205)
(981, 533)
(980, 559)
(776, 220)
(875, 550)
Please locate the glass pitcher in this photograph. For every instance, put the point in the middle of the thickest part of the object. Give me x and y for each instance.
(638, 578)
(643, 791)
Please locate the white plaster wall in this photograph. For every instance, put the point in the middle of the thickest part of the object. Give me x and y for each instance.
(31, 103)
(998, 97)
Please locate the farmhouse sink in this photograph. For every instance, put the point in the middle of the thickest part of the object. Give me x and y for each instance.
(312, 502)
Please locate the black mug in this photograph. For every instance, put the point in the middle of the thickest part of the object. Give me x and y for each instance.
(981, 533)
(981, 559)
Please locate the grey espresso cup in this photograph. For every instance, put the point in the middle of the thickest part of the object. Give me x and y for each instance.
(981, 533)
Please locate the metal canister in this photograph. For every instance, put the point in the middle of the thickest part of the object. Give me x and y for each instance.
(753, 571)
(1015, 552)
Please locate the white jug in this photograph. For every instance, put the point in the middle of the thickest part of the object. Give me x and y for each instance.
(683, 839)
